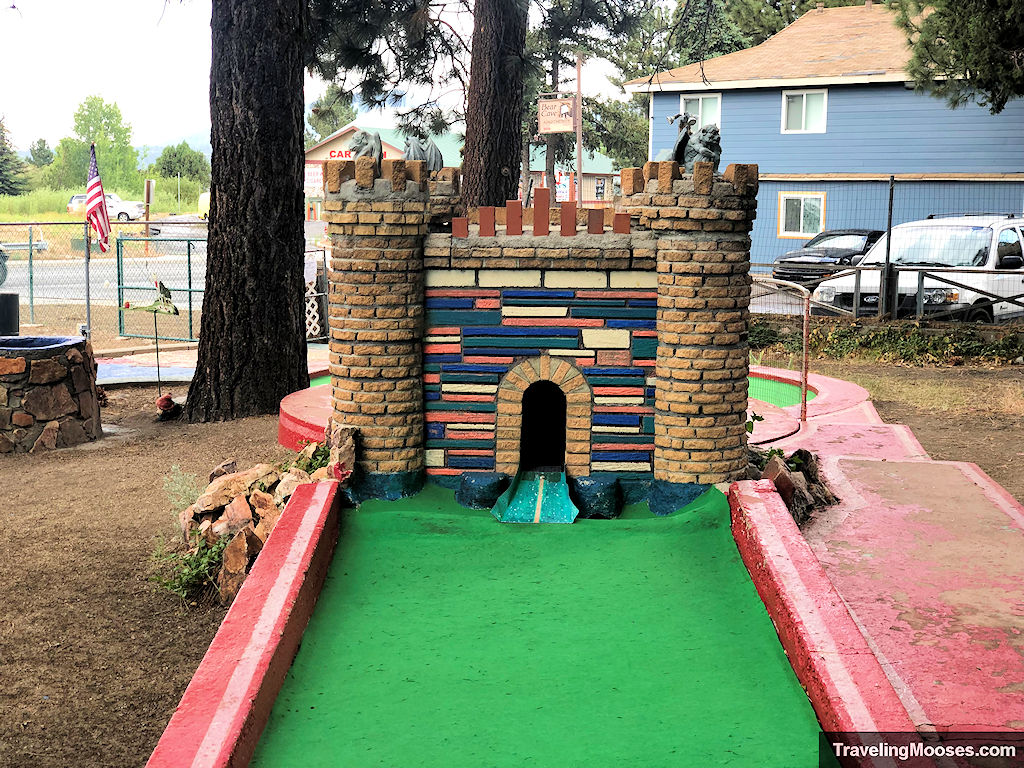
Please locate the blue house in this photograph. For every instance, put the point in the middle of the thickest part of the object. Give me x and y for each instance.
(824, 108)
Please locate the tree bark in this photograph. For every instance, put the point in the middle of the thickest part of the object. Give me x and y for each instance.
(252, 346)
(494, 104)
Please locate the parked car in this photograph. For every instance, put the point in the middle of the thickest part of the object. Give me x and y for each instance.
(953, 248)
(119, 209)
(825, 254)
(204, 205)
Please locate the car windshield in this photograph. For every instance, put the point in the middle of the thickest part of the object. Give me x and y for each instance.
(853, 242)
(113, 198)
(952, 246)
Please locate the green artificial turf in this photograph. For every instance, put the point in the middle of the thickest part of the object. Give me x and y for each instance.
(778, 393)
(444, 639)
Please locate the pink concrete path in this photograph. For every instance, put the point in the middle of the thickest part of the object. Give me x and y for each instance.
(928, 557)
(177, 365)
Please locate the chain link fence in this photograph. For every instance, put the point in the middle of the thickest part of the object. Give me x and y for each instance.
(45, 265)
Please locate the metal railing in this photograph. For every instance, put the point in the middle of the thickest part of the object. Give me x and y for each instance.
(779, 345)
(976, 295)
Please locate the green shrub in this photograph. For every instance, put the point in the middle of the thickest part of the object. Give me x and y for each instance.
(191, 574)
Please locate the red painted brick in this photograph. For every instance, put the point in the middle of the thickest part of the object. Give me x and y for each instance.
(619, 391)
(487, 303)
(621, 224)
(459, 293)
(614, 357)
(595, 221)
(514, 217)
(487, 221)
(460, 226)
(566, 322)
(541, 211)
(568, 218)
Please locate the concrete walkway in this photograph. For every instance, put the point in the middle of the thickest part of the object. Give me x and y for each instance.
(176, 366)
(928, 557)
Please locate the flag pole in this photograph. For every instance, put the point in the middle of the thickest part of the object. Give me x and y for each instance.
(88, 297)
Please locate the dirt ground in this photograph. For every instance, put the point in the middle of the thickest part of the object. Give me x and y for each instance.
(94, 657)
(958, 413)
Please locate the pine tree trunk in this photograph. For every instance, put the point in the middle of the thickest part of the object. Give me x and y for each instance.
(494, 105)
(252, 346)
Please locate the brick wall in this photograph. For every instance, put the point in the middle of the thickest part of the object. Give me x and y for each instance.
(488, 329)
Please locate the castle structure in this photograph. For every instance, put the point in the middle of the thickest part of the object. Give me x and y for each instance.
(614, 344)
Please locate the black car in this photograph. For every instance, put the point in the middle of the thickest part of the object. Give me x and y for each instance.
(825, 254)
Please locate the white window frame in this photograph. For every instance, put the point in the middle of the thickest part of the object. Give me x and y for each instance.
(805, 92)
(783, 196)
(701, 96)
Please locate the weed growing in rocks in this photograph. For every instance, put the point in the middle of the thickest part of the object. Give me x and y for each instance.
(191, 574)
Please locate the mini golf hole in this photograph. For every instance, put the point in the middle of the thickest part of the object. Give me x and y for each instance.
(542, 437)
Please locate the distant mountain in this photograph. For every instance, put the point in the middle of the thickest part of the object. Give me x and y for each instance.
(149, 153)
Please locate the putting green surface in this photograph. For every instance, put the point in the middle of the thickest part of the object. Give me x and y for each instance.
(445, 639)
(778, 393)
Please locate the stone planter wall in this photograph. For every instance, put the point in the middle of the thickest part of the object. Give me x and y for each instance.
(47, 394)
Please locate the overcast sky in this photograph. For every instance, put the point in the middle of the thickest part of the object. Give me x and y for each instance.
(151, 58)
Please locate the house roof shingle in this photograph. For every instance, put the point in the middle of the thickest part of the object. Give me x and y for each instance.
(858, 43)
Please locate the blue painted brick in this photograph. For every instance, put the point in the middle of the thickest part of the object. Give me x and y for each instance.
(621, 456)
(645, 324)
(471, 462)
(522, 294)
(617, 419)
(435, 430)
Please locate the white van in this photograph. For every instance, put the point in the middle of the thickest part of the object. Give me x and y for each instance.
(954, 248)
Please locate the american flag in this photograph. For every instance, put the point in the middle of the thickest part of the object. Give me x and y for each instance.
(96, 205)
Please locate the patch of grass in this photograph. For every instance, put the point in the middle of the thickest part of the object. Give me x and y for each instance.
(946, 394)
(190, 573)
(910, 343)
(312, 462)
(181, 488)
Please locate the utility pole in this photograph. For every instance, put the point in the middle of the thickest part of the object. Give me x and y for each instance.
(578, 186)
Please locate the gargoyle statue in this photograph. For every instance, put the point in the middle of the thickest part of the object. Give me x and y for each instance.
(416, 149)
(683, 137)
(705, 147)
(368, 145)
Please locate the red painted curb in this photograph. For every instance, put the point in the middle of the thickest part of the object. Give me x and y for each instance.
(303, 416)
(227, 704)
(845, 683)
